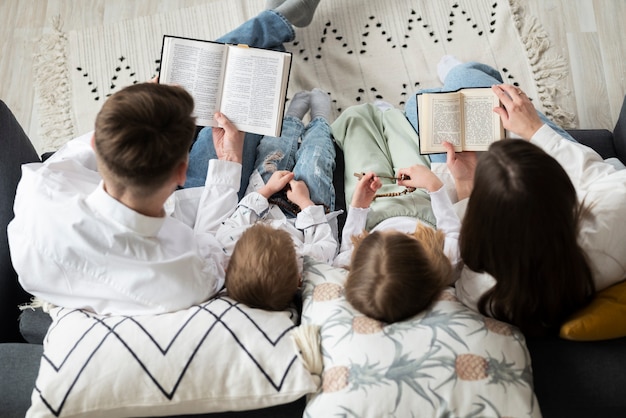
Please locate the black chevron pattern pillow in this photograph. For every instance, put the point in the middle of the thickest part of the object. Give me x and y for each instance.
(217, 356)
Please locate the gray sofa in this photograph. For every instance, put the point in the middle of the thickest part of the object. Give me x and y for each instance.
(571, 379)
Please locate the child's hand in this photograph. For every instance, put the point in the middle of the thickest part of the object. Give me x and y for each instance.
(227, 140)
(276, 183)
(365, 191)
(298, 193)
(420, 177)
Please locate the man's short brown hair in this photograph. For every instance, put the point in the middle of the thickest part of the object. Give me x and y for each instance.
(263, 271)
(143, 132)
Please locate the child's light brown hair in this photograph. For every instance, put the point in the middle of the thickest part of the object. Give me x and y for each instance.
(394, 276)
(263, 270)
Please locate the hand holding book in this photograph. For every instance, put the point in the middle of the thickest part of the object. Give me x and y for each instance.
(464, 118)
(227, 140)
(248, 85)
(462, 166)
(517, 112)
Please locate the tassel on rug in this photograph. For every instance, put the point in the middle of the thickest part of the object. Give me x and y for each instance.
(546, 70)
(53, 88)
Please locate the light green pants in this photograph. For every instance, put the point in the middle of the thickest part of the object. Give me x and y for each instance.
(382, 142)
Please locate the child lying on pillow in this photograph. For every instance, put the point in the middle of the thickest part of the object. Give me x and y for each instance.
(395, 274)
(284, 217)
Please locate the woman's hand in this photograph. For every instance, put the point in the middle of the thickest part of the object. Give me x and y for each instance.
(462, 166)
(227, 140)
(518, 113)
(419, 177)
(279, 180)
(365, 191)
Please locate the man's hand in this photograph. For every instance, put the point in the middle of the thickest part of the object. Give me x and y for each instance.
(298, 193)
(420, 177)
(227, 140)
(462, 166)
(365, 191)
(518, 115)
(276, 183)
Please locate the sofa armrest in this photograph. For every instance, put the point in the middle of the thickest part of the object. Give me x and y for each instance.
(601, 140)
(579, 379)
(619, 134)
(34, 324)
(19, 366)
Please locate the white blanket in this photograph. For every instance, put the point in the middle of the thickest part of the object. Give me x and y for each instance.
(357, 50)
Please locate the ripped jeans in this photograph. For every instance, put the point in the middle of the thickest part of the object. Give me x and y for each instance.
(312, 160)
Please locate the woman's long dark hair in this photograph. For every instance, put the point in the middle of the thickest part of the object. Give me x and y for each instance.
(521, 227)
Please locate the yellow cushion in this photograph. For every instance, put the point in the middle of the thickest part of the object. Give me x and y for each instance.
(603, 319)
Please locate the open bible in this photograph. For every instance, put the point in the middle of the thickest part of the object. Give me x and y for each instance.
(464, 118)
(248, 85)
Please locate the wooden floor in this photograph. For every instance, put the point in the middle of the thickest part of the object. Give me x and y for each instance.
(590, 34)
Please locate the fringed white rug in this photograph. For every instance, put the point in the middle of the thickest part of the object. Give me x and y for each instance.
(357, 50)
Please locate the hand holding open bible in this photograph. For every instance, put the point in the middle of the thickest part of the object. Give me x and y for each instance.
(464, 118)
(248, 85)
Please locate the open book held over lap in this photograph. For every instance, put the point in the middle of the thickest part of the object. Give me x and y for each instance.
(248, 85)
(464, 118)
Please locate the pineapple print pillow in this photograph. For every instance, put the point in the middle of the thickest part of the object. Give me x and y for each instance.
(446, 362)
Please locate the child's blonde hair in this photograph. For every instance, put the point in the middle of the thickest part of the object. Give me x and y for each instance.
(263, 270)
(394, 276)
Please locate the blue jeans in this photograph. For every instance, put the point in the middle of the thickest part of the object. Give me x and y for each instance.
(467, 75)
(269, 30)
(312, 161)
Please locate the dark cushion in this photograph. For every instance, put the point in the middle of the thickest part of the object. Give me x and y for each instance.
(579, 379)
(16, 150)
(290, 410)
(619, 134)
(34, 325)
(601, 140)
(338, 182)
(19, 365)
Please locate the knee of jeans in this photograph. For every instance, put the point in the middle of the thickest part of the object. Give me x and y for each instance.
(270, 163)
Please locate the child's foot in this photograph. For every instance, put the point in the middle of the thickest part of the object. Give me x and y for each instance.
(320, 104)
(299, 104)
(298, 12)
(444, 66)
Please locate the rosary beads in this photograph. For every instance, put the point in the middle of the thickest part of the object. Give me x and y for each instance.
(407, 190)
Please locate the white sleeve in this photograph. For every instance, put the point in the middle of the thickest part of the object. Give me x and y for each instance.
(471, 286)
(78, 150)
(448, 222)
(354, 225)
(602, 188)
(249, 210)
(319, 241)
(218, 201)
(219, 197)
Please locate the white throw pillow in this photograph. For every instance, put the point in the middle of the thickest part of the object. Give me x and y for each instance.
(218, 356)
(447, 361)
